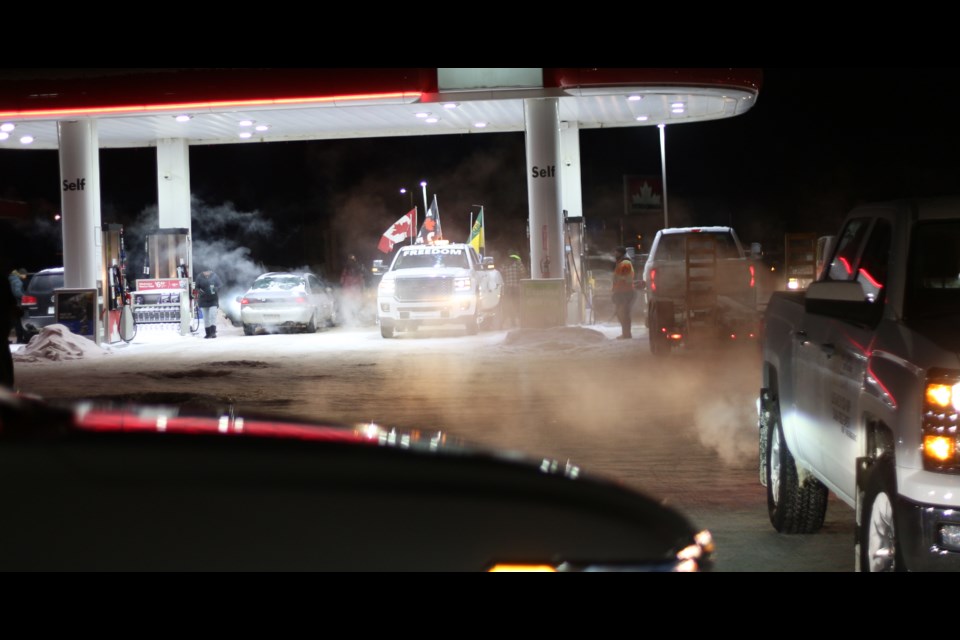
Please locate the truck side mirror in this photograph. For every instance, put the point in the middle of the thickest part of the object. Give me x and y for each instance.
(488, 263)
(844, 301)
(755, 250)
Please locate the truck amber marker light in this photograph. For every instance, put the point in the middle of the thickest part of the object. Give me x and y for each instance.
(939, 448)
(939, 395)
(217, 104)
(522, 568)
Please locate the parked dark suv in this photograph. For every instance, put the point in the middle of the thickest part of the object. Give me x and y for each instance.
(38, 298)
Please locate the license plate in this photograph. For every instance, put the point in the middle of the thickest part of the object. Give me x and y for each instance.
(271, 316)
(49, 311)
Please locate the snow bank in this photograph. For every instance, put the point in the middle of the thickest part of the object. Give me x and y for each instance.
(55, 343)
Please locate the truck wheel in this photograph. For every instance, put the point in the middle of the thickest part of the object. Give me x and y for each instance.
(876, 530)
(473, 325)
(247, 329)
(658, 343)
(494, 322)
(312, 325)
(386, 329)
(793, 507)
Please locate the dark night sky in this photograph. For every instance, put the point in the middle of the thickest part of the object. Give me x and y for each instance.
(818, 142)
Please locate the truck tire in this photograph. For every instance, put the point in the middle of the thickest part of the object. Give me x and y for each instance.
(793, 507)
(386, 328)
(876, 530)
(312, 325)
(494, 322)
(658, 343)
(472, 325)
(248, 329)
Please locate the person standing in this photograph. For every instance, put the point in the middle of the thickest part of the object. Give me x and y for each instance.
(352, 283)
(513, 273)
(208, 286)
(17, 278)
(623, 291)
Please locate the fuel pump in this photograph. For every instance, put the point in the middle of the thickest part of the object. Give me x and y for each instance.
(575, 273)
(116, 319)
(163, 295)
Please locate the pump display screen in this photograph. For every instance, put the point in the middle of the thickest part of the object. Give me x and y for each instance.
(157, 298)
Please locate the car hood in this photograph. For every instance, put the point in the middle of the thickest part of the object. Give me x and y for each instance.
(164, 490)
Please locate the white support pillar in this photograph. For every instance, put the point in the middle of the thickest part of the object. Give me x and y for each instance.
(80, 202)
(570, 169)
(572, 203)
(173, 187)
(542, 123)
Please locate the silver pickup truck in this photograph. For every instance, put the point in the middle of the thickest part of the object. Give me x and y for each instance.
(861, 389)
(700, 286)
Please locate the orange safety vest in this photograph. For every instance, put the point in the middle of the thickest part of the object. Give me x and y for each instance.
(623, 276)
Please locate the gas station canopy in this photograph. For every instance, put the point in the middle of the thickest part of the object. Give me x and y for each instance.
(137, 107)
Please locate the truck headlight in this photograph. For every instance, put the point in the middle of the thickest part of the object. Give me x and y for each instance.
(461, 285)
(387, 287)
(941, 406)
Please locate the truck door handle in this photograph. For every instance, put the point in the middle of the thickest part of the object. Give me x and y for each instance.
(801, 336)
(828, 349)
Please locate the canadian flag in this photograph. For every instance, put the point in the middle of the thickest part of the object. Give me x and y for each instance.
(398, 232)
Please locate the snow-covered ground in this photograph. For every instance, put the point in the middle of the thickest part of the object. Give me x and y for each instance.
(682, 429)
(489, 388)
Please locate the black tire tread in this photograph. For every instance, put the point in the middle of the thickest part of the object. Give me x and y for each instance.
(802, 507)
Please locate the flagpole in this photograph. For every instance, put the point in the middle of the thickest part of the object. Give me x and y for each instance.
(413, 233)
(483, 233)
(482, 225)
(426, 206)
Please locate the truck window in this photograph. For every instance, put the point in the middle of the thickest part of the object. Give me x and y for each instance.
(432, 257)
(842, 267)
(672, 246)
(872, 270)
(933, 275)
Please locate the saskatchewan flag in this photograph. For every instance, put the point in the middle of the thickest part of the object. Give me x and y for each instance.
(476, 233)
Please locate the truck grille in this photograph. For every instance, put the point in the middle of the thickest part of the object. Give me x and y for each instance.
(424, 289)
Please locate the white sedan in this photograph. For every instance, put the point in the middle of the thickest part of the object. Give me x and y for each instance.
(283, 301)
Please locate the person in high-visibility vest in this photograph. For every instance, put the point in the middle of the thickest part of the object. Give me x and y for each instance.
(623, 291)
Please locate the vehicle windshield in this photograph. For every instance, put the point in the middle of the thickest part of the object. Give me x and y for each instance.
(45, 282)
(672, 246)
(432, 257)
(933, 277)
(278, 283)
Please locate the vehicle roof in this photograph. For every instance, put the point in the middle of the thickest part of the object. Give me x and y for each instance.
(450, 245)
(924, 208)
(711, 229)
(294, 274)
(51, 270)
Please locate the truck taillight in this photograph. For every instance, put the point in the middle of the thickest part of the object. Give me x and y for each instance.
(941, 405)
(653, 279)
(300, 299)
(28, 300)
(244, 300)
(753, 278)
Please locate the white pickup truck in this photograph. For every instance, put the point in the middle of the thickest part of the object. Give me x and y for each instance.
(439, 284)
(861, 389)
